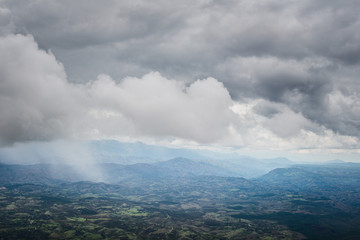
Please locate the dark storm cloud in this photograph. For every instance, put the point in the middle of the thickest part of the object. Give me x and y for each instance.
(77, 24)
(334, 33)
(302, 54)
(186, 32)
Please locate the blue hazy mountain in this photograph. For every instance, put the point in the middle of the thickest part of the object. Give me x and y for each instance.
(310, 176)
(38, 174)
(109, 172)
(186, 167)
(120, 152)
(315, 176)
(111, 151)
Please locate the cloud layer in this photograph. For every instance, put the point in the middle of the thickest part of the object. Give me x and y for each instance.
(38, 103)
(272, 73)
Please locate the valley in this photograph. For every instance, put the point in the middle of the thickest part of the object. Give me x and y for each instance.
(300, 202)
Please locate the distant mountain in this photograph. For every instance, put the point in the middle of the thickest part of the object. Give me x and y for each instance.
(114, 173)
(314, 176)
(174, 168)
(335, 161)
(227, 164)
(294, 178)
(111, 151)
(187, 167)
(108, 172)
(249, 167)
(300, 177)
(36, 174)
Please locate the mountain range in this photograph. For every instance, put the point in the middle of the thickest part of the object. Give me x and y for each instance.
(342, 175)
(111, 151)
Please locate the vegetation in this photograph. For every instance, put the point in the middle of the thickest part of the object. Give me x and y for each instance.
(191, 207)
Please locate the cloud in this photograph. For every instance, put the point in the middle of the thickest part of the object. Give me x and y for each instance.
(315, 88)
(78, 26)
(77, 155)
(287, 124)
(36, 101)
(6, 24)
(161, 107)
(274, 78)
(272, 126)
(192, 34)
(283, 60)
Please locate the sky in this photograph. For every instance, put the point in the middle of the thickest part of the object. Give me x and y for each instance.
(265, 77)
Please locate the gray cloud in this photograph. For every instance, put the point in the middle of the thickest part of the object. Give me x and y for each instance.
(6, 24)
(183, 30)
(38, 103)
(86, 23)
(303, 55)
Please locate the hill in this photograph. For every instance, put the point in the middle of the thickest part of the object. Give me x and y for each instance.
(311, 176)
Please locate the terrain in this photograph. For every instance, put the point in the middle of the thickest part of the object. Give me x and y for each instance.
(179, 199)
